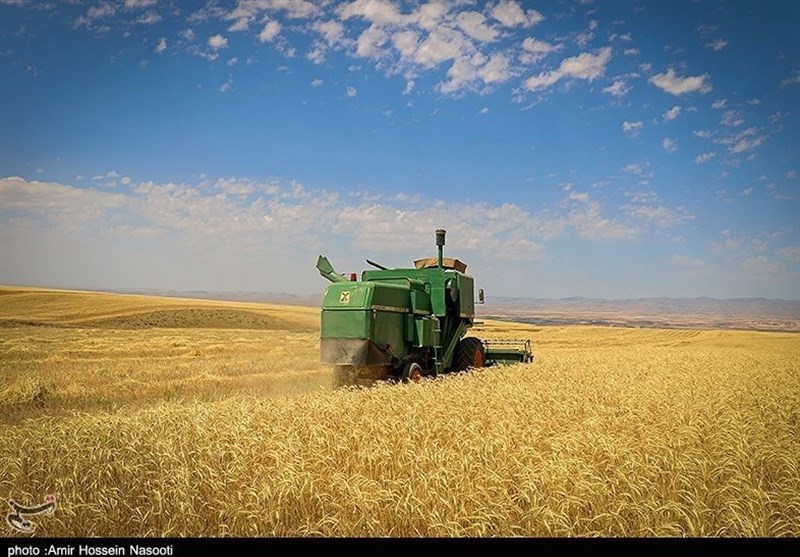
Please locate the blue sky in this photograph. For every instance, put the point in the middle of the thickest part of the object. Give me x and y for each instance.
(602, 149)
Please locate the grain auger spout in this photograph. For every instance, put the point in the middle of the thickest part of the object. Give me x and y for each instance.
(326, 270)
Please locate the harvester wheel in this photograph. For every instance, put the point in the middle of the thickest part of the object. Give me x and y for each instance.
(412, 373)
(469, 353)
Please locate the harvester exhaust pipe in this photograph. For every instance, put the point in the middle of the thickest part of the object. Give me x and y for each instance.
(440, 244)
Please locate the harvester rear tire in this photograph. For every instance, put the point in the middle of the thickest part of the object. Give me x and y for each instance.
(469, 354)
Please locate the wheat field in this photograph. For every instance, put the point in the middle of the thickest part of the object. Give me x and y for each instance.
(153, 416)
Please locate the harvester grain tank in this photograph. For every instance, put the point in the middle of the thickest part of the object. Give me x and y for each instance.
(406, 323)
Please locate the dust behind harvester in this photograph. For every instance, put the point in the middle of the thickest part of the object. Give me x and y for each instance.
(406, 323)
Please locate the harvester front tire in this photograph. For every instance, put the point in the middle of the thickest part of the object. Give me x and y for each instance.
(469, 354)
(412, 373)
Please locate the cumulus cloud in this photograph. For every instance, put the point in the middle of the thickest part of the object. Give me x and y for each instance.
(617, 89)
(669, 144)
(511, 14)
(649, 208)
(534, 50)
(148, 18)
(632, 128)
(269, 32)
(704, 157)
(243, 210)
(718, 44)
(474, 25)
(586, 218)
(162, 45)
(675, 85)
(794, 78)
(672, 113)
(217, 42)
(133, 4)
(381, 12)
(746, 143)
(586, 66)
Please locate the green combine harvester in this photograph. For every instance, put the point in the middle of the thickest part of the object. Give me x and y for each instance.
(404, 324)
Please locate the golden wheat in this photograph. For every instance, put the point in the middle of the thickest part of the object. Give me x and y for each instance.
(610, 432)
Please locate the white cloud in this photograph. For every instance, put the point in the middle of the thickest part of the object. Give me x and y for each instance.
(534, 50)
(675, 85)
(672, 113)
(317, 83)
(370, 42)
(669, 144)
(542, 81)
(496, 70)
(632, 128)
(133, 4)
(586, 218)
(583, 66)
(474, 24)
(617, 89)
(794, 78)
(746, 143)
(761, 265)
(162, 45)
(484, 110)
(732, 118)
(270, 31)
(511, 14)
(585, 37)
(351, 91)
(376, 11)
(217, 42)
(636, 169)
(441, 45)
(148, 18)
(332, 30)
(58, 202)
(100, 11)
(587, 66)
(705, 134)
(704, 157)
(658, 215)
(406, 43)
(718, 44)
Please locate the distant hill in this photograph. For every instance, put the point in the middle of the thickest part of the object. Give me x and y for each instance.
(738, 313)
(314, 300)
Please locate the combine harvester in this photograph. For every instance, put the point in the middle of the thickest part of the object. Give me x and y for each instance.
(405, 324)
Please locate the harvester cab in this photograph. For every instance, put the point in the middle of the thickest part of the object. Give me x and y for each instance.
(406, 323)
